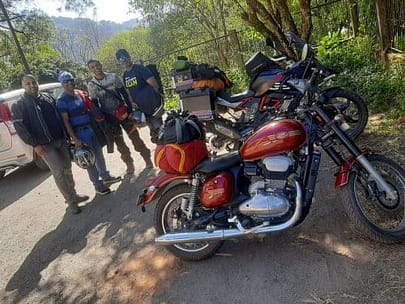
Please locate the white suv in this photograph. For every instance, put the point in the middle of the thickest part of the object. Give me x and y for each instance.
(13, 151)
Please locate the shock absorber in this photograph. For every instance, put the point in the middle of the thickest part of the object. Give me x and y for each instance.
(195, 186)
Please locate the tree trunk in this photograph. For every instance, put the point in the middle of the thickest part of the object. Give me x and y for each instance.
(17, 43)
(384, 28)
(354, 15)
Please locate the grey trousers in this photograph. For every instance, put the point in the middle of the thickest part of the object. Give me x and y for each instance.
(58, 160)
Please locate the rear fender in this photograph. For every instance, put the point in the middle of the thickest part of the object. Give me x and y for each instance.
(157, 186)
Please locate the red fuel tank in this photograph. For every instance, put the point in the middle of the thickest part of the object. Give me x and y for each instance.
(280, 136)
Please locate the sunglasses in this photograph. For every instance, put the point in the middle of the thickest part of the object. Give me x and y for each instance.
(71, 81)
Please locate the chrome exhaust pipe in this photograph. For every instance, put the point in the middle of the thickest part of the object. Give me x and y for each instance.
(223, 234)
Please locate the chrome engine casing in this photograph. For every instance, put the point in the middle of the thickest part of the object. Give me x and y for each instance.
(268, 195)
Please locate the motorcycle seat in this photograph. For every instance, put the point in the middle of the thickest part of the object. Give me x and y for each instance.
(219, 163)
(236, 97)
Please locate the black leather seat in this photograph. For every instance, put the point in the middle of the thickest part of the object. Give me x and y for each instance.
(219, 163)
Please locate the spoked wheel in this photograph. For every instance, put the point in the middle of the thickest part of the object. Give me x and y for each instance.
(352, 107)
(376, 215)
(170, 218)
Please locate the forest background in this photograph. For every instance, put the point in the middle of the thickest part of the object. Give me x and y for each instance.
(363, 40)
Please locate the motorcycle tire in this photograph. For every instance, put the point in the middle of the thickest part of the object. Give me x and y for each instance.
(376, 216)
(168, 213)
(352, 106)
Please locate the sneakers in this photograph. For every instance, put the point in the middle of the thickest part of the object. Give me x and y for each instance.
(111, 180)
(103, 191)
(73, 209)
(81, 198)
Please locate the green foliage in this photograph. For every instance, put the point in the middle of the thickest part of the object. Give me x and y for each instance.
(239, 79)
(350, 55)
(136, 42)
(382, 88)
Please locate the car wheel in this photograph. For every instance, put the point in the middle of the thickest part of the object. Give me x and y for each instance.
(2, 173)
(41, 164)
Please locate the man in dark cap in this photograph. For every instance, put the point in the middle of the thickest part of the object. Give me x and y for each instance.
(143, 91)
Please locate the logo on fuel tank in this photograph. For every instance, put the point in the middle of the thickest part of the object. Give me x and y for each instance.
(283, 135)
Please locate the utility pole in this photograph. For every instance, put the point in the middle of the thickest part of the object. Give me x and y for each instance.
(17, 43)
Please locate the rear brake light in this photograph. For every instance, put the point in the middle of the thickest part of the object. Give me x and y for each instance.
(6, 115)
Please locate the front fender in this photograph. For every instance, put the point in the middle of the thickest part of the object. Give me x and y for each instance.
(342, 177)
(157, 186)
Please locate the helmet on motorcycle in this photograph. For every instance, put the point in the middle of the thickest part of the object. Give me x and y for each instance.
(84, 157)
(138, 117)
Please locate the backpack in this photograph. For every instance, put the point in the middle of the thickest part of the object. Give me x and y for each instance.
(181, 143)
(153, 69)
(179, 128)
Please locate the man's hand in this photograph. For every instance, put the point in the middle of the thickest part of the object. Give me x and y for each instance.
(78, 143)
(40, 150)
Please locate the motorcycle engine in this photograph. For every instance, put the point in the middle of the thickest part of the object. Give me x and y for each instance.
(269, 197)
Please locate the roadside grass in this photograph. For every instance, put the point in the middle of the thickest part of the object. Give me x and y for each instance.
(385, 135)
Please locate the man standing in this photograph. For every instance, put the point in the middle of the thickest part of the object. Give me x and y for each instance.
(75, 109)
(108, 90)
(143, 91)
(38, 123)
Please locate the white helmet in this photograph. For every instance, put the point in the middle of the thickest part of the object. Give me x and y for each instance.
(84, 157)
(139, 118)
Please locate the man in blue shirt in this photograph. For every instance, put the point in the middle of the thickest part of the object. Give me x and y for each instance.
(75, 111)
(143, 91)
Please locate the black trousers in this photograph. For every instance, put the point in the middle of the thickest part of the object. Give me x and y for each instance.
(133, 134)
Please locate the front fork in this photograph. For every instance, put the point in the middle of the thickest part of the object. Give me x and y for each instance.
(342, 177)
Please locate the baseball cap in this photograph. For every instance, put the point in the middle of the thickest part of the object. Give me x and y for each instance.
(122, 55)
(65, 76)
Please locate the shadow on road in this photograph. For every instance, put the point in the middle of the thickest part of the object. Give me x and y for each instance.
(27, 178)
(116, 211)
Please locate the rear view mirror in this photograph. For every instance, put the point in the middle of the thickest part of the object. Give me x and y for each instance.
(305, 52)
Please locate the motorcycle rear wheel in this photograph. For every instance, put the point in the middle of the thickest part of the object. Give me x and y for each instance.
(376, 216)
(169, 218)
(353, 108)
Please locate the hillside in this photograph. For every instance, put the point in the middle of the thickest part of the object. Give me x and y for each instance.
(80, 38)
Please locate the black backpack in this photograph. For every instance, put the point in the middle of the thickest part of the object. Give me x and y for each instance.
(153, 69)
(180, 128)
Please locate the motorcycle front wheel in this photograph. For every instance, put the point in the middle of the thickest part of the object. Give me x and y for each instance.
(351, 106)
(377, 216)
(170, 218)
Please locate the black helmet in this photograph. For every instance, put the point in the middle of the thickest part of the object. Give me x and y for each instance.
(122, 55)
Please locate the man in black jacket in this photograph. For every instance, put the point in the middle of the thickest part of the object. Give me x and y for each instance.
(38, 123)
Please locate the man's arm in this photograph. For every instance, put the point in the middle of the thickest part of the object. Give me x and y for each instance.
(18, 121)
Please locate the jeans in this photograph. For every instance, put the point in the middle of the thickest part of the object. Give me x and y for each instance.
(58, 160)
(98, 170)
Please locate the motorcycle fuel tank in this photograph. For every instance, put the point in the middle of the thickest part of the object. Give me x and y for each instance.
(276, 137)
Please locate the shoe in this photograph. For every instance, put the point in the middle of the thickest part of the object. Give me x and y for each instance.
(81, 198)
(103, 191)
(111, 180)
(74, 209)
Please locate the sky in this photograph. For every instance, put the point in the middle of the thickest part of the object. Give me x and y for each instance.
(111, 10)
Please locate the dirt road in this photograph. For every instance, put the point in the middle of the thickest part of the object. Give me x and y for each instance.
(106, 254)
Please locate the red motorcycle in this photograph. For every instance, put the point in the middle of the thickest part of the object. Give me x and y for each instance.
(268, 186)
